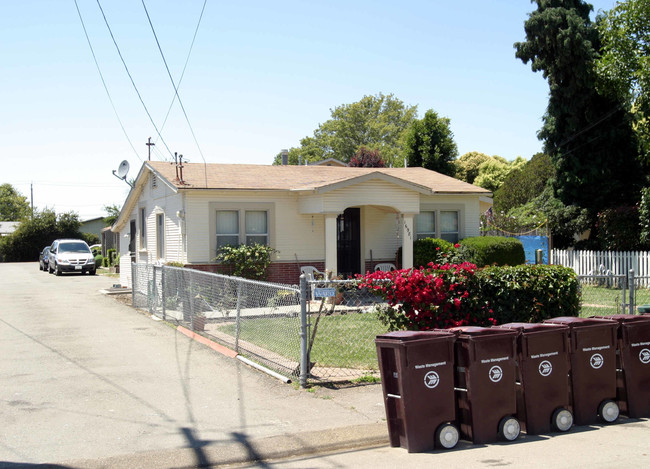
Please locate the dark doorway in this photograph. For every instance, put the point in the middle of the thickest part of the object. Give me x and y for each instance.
(349, 242)
(131, 240)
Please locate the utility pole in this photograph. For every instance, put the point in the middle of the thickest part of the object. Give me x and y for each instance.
(31, 188)
(149, 144)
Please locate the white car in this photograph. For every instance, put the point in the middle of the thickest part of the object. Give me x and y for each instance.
(71, 255)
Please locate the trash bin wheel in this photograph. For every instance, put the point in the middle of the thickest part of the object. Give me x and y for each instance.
(608, 411)
(509, 428)
(447, 436)
(562, 420)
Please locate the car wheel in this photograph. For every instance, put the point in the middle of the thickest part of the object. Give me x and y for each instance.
(92, 272)
(58, 270)
(40, 267)
(49, 268)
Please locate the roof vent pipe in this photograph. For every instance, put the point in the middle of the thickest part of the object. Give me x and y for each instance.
(285, 157)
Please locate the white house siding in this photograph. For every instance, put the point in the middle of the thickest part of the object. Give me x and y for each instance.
(467, 205)
(373, 192)
(379, 230)
(291, 233)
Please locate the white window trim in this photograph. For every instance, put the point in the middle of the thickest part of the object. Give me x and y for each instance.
(141, 225)
(160, 255)
(242, 208)
(442, 208)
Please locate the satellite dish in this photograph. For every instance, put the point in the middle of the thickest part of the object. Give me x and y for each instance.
(123, 169)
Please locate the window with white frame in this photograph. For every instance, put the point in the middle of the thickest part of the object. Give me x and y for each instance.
(227, 228)
(441, 224)
(449, 226)
(257, 227)
(236, 227)
(143, 228)
(160, 235)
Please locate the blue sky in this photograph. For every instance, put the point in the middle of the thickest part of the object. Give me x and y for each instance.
(261, 76)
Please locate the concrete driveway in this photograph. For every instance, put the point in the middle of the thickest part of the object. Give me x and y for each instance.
(87, 378)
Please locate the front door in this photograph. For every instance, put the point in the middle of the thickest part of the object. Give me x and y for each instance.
(349, 242)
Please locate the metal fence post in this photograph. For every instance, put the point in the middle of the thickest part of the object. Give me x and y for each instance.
(133, 282)
(304, 358)
(631, 286)
(162, 286)
(238, 316)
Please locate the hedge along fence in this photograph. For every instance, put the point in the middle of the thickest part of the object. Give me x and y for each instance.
(450, 295)
(481, 250)
(530, 293)
(489, 250)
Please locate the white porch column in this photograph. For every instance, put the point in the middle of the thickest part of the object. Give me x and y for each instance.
(407, 240)
(331, 243)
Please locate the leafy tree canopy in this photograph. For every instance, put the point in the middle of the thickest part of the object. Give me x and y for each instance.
(39, 231)
(365, 158)
(430, 144)
(467, 165)
(377, 122)
(112, 213)
(13, 205)
(624, 64)
(524, 183)
(587, 135)
(493, 172)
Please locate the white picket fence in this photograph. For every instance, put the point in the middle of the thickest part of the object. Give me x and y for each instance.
(603, 262)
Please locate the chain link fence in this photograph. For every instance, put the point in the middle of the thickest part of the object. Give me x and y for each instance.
(328, 336)
(325, 334)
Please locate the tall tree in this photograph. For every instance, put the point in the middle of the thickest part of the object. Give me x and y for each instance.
(430, 144)
(376, 122)
(467, 165)
(13, 205)
(365, 158)
(587, 135)
(112, 214)
(524, 184)
(624, 64)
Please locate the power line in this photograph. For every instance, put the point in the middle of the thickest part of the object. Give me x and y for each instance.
(187, 59)
(172, 79)
(131, 78)
(83, 25)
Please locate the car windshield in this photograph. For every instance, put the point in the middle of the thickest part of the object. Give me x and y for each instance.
(73, 247)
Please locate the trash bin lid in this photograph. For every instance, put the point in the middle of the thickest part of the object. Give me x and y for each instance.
(404, 336)
(643, 309)
(572, 321)
(526, 327)
(627, 318)
(475, 331)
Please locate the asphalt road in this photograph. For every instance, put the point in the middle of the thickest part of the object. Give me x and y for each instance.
(89, 382)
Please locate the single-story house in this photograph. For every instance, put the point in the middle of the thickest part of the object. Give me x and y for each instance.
(93, 226)
(334, 218)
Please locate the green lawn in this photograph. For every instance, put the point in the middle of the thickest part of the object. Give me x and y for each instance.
(599, 301)
(342, 341)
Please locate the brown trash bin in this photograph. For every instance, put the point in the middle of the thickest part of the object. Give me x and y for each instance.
(633, 364)
(593, 368)
(417, 375)
(486, 394)
(543, 396)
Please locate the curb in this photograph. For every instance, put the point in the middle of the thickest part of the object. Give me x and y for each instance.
(240, 450)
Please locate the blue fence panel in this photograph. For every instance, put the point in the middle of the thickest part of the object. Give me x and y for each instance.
(532, 244)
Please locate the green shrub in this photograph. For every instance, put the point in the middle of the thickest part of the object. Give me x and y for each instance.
(111, 253)
(489, 250)
(529, 293)
(248, 261)
(99, 260)
(105, 261)
(430, 250)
